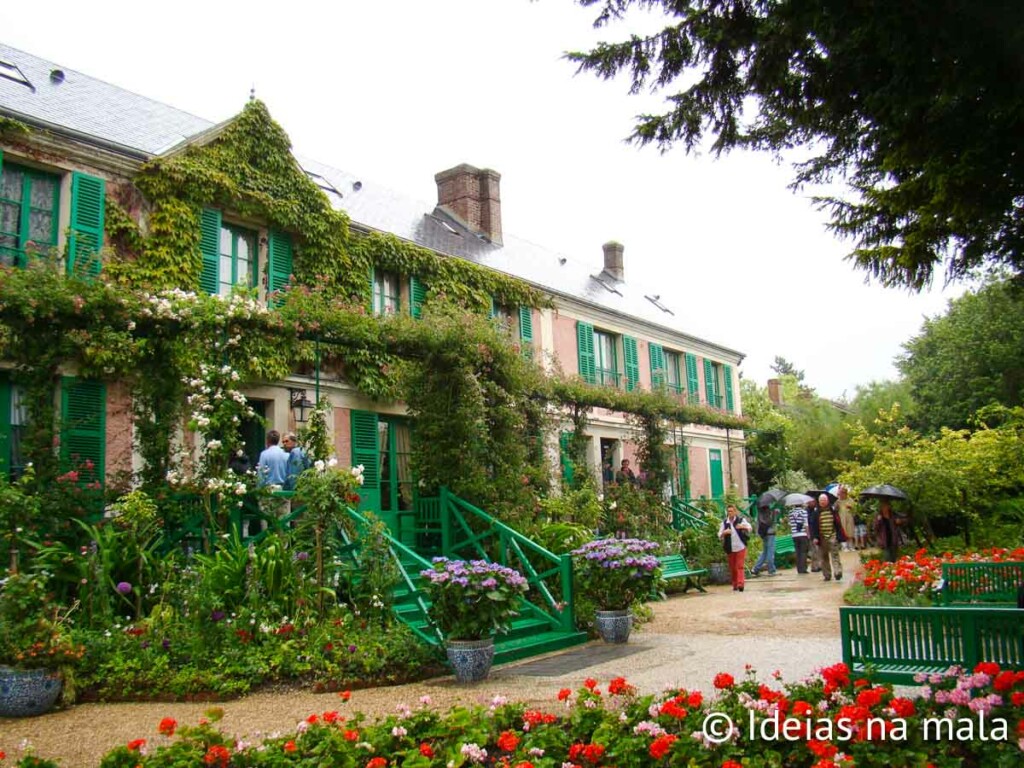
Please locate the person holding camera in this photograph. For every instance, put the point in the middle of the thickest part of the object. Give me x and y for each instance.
(734, 532)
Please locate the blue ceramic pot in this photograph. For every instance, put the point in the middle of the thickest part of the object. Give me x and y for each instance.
(28, 692)
(471, 659)
(614, 626)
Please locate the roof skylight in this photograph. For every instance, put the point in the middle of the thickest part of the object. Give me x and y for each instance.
(12, 72)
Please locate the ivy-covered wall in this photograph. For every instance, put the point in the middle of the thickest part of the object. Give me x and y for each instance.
(482, 410)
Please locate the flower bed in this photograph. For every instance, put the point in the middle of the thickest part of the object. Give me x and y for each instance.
(916, 578)
(958, 718)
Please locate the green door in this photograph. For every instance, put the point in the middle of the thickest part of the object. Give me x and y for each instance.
(717, 484)
(382, 445)
(254, 433)
(681, 477)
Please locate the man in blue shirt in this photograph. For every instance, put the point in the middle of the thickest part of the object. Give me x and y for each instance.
(297, 462)
(272, 468)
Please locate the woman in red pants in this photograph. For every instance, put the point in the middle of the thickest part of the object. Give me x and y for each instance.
(734, 532)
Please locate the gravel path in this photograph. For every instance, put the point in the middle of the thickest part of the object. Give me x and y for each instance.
(787, 623)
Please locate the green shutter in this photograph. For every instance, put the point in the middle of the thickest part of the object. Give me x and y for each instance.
(526, 331)
(5, 426)
(209, 244)
(692, 382)
(727, 374)
(366, 451)
(1, 160)
(417, 295)
(657, 355)
(709, 383)
(86, 237)
(279, 264)
(494, 309)
(568, 471)
(83, 437)
(585, 351)
(632, 362)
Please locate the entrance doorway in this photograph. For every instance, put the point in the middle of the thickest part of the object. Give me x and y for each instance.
(253, 431)
(715, 466)
(608, 465)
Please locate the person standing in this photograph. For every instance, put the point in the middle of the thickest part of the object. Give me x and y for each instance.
(798, 530)
(766, 518)
(887, 535)
(297, 462)
(272, 468)
(827, 532)
(734, 532)
(845, 506)
(812, 546)
(625, 474)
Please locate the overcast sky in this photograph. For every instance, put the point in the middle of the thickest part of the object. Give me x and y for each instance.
(397, 90)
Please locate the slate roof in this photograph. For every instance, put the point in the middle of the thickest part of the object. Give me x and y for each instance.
(114, 116)
(91, 107)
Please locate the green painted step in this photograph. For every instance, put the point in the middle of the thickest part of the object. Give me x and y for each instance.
(508, 649)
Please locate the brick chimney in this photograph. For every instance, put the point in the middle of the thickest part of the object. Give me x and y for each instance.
(613, 260)
(473, 197)
(775, 391)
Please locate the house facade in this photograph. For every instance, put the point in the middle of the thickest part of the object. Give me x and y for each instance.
(84, 146)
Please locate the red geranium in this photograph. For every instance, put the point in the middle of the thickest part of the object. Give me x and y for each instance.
(220, 755)
(989, 668)
(564, 694)
(590, 683)
(724, 680)
(167, 726)
(426, 750)
(903, 707)
(618, 685)
(351, 735)
(136, 745)
(661, 745)
(376, 762)
(508, 741)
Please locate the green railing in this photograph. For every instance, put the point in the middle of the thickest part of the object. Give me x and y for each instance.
(686, 516)
(467, 532)
(252, 521)
(402, 556)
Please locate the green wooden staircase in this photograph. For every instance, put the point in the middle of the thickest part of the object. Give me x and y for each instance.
(457, 529)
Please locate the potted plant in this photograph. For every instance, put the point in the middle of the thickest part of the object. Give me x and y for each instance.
(35, 647)
(615, 573)
(470, 601)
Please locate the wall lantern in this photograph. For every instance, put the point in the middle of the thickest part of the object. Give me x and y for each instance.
(300, 404)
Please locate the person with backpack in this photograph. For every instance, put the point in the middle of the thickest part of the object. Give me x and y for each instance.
(734, 532)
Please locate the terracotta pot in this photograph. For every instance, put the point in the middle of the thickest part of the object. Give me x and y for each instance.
(471, 659)
(28, 692)
(614, 626)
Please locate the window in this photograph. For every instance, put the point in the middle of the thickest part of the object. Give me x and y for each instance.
(29, 210)
(238, 257)
(718, 385)
(605, 359)
(13, 423)
(672, 381)
(504, 315)
(386, 293)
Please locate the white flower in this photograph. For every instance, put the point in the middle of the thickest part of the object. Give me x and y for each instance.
(319, 464)
(398, 731)
(213, 445)
(332, 462)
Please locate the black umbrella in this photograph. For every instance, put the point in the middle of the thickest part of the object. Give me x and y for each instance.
(883, 492)
(832, 498)
(770, 497)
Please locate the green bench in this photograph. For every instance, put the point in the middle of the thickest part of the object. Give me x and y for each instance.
(987, 583)
(895, 643)
(783, 546)
(674, 567)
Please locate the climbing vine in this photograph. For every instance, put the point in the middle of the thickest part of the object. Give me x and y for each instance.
(481, 409)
